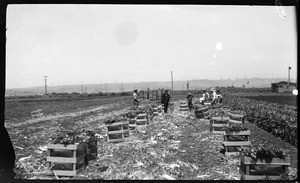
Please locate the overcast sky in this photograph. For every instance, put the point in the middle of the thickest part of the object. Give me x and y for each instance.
(131, 43)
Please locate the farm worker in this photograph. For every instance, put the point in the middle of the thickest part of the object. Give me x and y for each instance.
(189, 98)
(165, 99)
(205, 96)
(135, 99)
(148, 93)
(214, 96)
(219, 96)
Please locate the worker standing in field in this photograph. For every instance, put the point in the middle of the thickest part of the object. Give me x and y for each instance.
(135, 99)
(189, 98)
(205, 96)
(219, 96)
(165, 99)
(214, 96)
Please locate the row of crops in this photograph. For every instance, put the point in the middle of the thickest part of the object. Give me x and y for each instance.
(277, 119)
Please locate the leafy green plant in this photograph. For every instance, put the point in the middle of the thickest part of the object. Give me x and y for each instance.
(260, 152)
(235, 127)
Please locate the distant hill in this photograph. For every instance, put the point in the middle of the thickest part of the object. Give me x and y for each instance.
(119, 87)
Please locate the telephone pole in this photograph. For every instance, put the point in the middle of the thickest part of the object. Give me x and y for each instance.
(81, 88)
(289, 77)
(45, 84)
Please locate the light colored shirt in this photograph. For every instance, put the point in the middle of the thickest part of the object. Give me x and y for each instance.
(207, 95)
(214, 95)
(135, 96)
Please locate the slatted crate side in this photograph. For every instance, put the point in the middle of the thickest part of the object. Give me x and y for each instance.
(235, 121)
(274, 161)
(67, 166)
(217, 125)
(247, 132)
(271, 164)
(234, 139)
(236, 117)
(132, 123)
(141, 115)
(121, 134)
(140, 122)
(118, 123)
(92, 148)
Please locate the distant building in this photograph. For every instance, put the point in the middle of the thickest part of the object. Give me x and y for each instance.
(283, 87)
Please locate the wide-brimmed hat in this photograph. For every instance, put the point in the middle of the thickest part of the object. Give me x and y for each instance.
(212, 89)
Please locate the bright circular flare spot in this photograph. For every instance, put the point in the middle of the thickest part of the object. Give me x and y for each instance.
(127, 33)
(219, 46)
(295, 92)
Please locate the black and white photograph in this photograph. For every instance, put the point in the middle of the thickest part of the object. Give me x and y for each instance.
(150, 92)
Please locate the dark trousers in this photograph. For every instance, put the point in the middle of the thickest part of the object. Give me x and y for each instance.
(166, 107)
(190, 104)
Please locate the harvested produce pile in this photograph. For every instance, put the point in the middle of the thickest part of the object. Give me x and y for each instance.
(280, 120)
(261, 152)
(72, 137)
(235, 127)
(133, 112)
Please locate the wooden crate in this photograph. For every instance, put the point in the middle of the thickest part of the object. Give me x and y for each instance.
(160, 110)
(141, 120)
(235, 143)
(247, 164)
(37, 113)
(72, 157)
(235, 118)
(92, 149)
(183, 107)
(217, 122)
(132, 123)
(122, 131)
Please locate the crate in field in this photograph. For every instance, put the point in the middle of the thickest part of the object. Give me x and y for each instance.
(217, 124)
(118, 132)
(67, 160)
(132, 123)
(92, 149)
(160, 110)
(235, 139)
(199, 113)
(141, 116)
(141, 120)
(263, 168)
(37, 113)
(236, 118)
(183, 107)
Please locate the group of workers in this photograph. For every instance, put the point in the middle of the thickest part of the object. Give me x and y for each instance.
(216, 97)
(165, 98)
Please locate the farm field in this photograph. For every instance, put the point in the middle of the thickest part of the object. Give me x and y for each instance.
(279, 99)
(175, 144)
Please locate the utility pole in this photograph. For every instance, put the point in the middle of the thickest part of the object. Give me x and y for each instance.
(187, 85)
(45, 84)
(289, 68)
(81, 88)
(172, 79)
